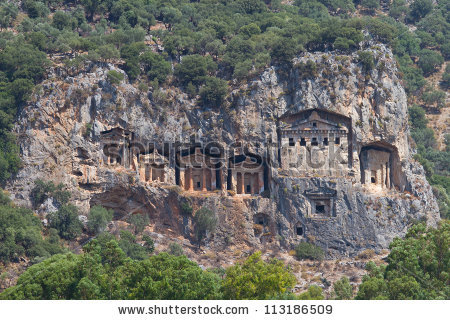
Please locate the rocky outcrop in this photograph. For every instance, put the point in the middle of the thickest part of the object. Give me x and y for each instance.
(59, 134)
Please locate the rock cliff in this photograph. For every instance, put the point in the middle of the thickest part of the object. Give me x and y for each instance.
(340, 210)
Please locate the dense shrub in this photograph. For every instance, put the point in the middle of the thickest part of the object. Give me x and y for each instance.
(445, 82)
(419, 9)
(43, 190)
(434, 98)
(415, 267)
(175, 249)
(256, 279)
(186, 208)
(367, 60)
(305, 250)
(430, 61)
(102, 272)
(194, 68)
(66, 221)
(205, 221)
(139, 221)
(128, 243)
(155, 66)
(99, 217)
(21, 234)
(214, 91)
(342, 289)
(115, 77)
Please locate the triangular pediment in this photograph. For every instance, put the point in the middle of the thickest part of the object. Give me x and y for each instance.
(308, 125)
(154, 157)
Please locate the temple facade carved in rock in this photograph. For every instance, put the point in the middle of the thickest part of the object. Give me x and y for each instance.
(312, 142)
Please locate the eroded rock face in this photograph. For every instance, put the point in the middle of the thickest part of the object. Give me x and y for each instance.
(59, 136)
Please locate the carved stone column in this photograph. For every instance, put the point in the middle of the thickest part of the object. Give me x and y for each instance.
(142, 172)
(213, 179)
(191, 179)
(203, 179)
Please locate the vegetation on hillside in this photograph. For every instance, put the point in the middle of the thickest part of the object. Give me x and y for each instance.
(208, 42)
(204, 47)
(418, 267)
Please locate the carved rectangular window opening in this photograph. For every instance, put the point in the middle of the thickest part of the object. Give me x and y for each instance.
(302, 142)
(325, 141)
(198, 184)
(314, 142)
(314, 124)
(373, 177)
(299, 231)
(337, 140)
(248, 189)
(291, 142)
(320, 209)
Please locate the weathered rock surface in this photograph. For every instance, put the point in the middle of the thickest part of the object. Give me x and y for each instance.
(59, 140)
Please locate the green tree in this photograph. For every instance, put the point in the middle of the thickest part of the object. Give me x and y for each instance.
(256, 279)
(149, 244)
(54, 278)
(424, 137)
(283, 51)
(21, 234)
(175, 249)
(99, 217)
(249, 30)
(214, 91)
(155, 66)
(130, 246)
(62, 20)
(115, 77)
(205, 221)
(250, 6)
(168, 277)
(434, 98)
(419, 9)
(130, 53)
(417, 267)
(417, 117)
(445, 82)
(194, 68)
(367, 60)
(107, 52)
(8, 12)
(371, 5)
(430, 61)
(43, 190)
(305, 250)
(66, 221)
(313, 293)
(139, 221)
(342, 289)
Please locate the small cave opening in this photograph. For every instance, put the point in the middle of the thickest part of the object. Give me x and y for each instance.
(299, 230)
(291, 142)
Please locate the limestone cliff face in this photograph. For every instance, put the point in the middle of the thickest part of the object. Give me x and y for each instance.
(59, 135)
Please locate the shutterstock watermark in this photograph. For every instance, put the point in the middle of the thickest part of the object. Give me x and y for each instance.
(220, 155)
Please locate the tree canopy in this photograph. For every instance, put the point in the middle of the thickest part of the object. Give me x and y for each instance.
(417, 267)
